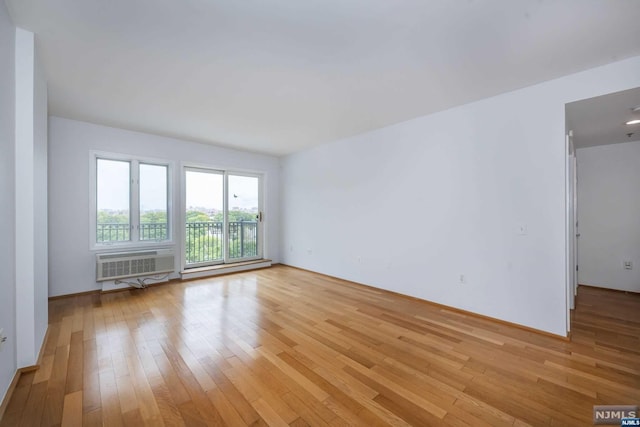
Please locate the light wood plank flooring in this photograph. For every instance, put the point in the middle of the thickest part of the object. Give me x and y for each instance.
(286, 347)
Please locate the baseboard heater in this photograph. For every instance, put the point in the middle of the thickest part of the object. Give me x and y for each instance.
(121, 265)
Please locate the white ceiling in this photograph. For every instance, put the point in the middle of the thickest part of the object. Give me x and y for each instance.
(601, 120)
(277, 76)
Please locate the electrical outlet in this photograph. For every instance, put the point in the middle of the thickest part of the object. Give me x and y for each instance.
(463, 279)
(3, 338)
(628, 265)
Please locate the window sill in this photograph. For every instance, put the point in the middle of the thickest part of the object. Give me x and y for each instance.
(125, 247)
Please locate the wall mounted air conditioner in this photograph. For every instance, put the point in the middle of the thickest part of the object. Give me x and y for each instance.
(119, 265)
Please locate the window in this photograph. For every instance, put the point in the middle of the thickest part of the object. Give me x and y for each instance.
(113, 220)
(153, 202)
(131, 201)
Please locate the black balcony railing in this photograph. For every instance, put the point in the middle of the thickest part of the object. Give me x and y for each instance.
(112, 232)
(115, 232)
(243, 239)
(204, 240)
(153, 231)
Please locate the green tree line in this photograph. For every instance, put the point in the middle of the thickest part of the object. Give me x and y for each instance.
(204, 241)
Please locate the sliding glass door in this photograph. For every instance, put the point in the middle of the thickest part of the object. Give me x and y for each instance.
(223, 217)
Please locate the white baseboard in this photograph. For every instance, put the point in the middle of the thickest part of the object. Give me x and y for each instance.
(223, 269)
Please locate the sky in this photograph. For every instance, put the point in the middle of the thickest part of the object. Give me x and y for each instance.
(153, 187)
(204, 189)
(113, 185)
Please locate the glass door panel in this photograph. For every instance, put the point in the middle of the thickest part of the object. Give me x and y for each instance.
(244, 217)
(204, 215)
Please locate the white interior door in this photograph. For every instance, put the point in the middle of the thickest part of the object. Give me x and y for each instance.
(570, 226)
(576, 231)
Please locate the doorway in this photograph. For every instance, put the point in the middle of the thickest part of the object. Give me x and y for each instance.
(602, 173)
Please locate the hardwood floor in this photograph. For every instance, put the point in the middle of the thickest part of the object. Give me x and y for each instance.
(286, 347)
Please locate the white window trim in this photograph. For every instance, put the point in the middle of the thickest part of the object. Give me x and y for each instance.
(133, 202)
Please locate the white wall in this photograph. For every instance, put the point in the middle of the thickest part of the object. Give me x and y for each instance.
(609, 215)
(7, 198)
(30, 200)
(411, 207)
(71, 263)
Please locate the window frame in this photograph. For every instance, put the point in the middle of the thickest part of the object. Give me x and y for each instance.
(134, 201)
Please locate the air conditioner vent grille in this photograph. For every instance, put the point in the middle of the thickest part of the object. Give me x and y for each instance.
(139, 266)
(115, 268)
(132, 264)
